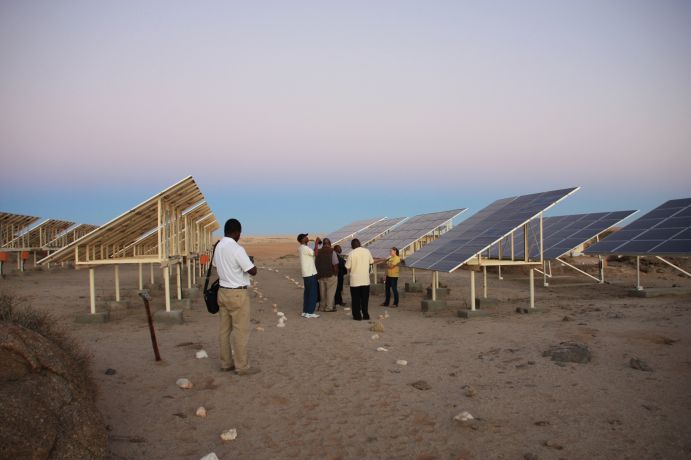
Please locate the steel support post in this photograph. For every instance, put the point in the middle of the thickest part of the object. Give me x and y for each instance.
(472, 290)
(166, 284)
(117, 283)
(532, 288)
(92, 290)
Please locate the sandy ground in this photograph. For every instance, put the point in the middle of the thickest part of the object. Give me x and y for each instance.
(324, 390)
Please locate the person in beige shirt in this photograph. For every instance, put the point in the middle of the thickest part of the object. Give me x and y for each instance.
(358, 264)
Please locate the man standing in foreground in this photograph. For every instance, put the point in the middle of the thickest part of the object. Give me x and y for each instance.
(309, 275)
(358, 263)
(234, 269)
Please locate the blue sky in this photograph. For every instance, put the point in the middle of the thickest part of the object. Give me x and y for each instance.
(303, 116)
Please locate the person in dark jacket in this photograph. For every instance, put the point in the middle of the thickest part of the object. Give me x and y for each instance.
(326, 261)
(342, 271)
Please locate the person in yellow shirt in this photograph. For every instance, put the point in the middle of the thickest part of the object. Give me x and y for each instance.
(392, 272)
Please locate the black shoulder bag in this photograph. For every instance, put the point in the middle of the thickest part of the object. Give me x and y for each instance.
(211, 293)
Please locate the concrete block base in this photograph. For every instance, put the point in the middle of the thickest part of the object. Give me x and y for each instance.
(660, 292)
(441, 292)
(485, 303)
(169, 317)
(433, 305)
(376, 289)
(468, 314)
(188, 293)
(185, 304)
(413, 287)
(114, 305)
(90, 318)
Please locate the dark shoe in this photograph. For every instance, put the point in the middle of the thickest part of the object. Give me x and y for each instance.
(342, 304)
(330, 311)
(394, 306)
(248, 371)
(384, 304)
(365, 318)
(357, 319)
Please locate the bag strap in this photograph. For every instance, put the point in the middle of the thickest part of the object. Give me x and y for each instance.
(208, 272)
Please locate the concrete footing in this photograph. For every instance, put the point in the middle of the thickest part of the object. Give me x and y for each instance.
(486, 303)
(188, 293)
(89, 318)
(181, 304)
(169, 317)
(432, 305)
(413, 287)
(468, 314)
(660, 292)
(441, 292)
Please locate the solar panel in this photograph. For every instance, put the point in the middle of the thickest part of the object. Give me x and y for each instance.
(351, 229)
(485, 228)
(11, 225)
(410, 231)
(664, 231)
(372, 232)
(561, 234)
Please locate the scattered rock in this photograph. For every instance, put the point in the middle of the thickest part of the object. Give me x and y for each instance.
(421, 385)
(402, 362)
(346, 308)
(260, 329)
(211, 456)
(565, 318)
(469, 391)
(375, 336)
(382, 349)
(464, 416)
(110, 371)
(201, 411)
(229, 435)
(529, 456)
(541, 423)
(569, 352)
(377, 327)
(639, 365)
(553, 445)
(521, 310)
(201, 354)
(185, 384)
(180, 415)
(281, 324)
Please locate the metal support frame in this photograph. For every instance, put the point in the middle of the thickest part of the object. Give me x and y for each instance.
(435, 276)
(117, 282)
(472, 290)
(579, 270)
(638, 274)
(532, 288)
(673, 266)
(92, 290)
(166, 283)
(484, 282)
(141, 277)
(178, 280)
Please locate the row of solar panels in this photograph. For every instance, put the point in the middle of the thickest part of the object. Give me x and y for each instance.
(20, 232)
(497, 230)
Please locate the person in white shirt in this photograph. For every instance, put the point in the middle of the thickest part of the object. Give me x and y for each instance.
(309, 275)
(234, 268)
(358, 263)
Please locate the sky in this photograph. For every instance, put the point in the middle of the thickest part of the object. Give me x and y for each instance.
(303, 116)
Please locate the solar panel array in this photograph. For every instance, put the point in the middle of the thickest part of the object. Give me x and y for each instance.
(349, 230)
(561, 234)
(664, 231)
(410, 231)
(11, 225)
(372, 232)
(483, 229)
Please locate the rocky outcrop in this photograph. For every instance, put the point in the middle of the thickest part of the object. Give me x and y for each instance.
(47, 408)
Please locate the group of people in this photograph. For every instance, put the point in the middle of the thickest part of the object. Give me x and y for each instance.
(323, 271)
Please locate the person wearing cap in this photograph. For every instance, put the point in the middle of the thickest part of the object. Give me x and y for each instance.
(309, 275)
(234, 268)
(359, 262)
(326, 262)
(342, 271)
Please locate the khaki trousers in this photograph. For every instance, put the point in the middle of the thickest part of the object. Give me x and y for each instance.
(327, 291)
(234, 308)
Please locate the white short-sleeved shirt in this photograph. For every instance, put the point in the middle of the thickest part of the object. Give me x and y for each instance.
(358, 263)
(232, 263)
(307, 265)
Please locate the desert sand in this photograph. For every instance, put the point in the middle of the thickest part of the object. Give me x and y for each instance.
(324, 390)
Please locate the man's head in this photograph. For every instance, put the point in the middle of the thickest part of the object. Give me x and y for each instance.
(302, 238)
(326, 243)
(338, 249)
(355, 243)
(232, 229)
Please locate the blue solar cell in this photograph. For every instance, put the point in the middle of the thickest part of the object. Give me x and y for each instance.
(664, 230)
